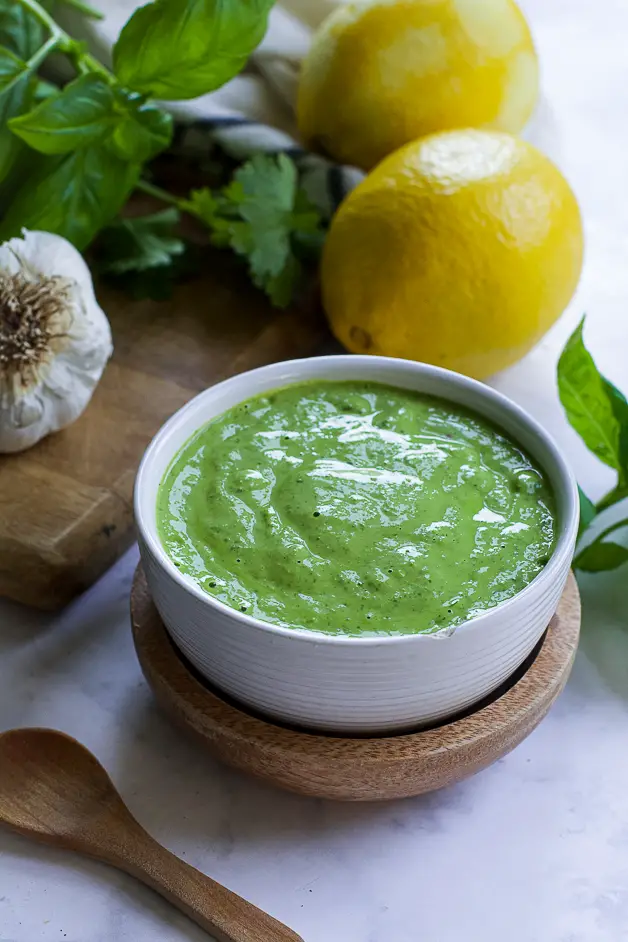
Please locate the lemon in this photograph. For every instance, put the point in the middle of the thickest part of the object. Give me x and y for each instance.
(381, 73)
(460, 249)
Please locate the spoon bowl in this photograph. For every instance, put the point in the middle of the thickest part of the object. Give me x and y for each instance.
(53, 789)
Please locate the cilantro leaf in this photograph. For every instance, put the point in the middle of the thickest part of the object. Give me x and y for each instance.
(156, 282)
(261, 214)
(140, 243)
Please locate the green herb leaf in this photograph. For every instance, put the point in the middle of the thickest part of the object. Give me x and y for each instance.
(44, 89)
(11, 68)
(584, 395)
(80, 114)
(74, 195)
(143, 131)
(177, 49)
(601, 556)
(204, 204)
(23, 35)
(282, 287)
(140, 243)
(13, 102)
(16, 88)
(587, 511)
(618, 493)
(259, 215)
(20, 31)
(158, 283)
(619, 406)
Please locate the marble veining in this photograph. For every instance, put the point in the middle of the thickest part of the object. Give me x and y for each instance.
(534, 849)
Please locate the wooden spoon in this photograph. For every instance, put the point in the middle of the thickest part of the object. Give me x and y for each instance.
(53, 789)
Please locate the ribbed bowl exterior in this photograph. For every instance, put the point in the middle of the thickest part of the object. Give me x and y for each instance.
(335, 683)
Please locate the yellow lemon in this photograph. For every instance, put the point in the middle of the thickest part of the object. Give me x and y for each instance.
(460, 249)
(381, 73)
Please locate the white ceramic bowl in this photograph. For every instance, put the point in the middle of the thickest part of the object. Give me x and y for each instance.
(340, 683)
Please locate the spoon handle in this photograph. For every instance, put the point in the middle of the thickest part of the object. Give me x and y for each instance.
(223, 914)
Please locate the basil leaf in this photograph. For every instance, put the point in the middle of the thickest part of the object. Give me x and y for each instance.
(15, 96)
(585, 399)
(44, 89)
(601, 556)
(11, 68)
(143, 132)
(74, 195)
(619, 406)
(175, 49)
(80, 114)
(13, 102)
(587, 511)
(20, 31)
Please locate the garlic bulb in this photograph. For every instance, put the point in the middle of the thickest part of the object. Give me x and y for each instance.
(54, 338)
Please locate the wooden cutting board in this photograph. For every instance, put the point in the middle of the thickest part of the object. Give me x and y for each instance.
(66, 504)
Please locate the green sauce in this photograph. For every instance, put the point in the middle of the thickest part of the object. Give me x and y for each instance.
(355, 508)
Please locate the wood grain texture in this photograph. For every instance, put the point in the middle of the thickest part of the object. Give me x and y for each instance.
(357, 769)
(53, 789)
(65, 505)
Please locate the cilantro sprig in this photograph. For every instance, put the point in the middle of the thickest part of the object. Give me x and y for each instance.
(262, 215)
(598, 412)
(70, 157)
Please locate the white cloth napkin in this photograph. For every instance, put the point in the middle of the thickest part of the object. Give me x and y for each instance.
(253, 113)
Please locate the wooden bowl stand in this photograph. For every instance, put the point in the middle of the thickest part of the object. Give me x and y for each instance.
(353, 768)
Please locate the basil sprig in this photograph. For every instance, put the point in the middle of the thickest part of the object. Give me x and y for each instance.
(89, 140)
(82, 148)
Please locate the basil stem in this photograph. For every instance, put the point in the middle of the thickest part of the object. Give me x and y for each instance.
(61, 40)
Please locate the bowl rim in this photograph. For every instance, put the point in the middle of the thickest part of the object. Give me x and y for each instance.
(562, 470)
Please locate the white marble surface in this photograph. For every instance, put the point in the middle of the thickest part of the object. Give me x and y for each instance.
(533, 850)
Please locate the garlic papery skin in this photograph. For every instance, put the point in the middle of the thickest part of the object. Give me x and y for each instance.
(55, 339)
